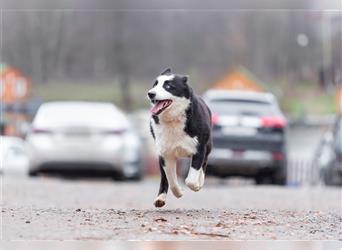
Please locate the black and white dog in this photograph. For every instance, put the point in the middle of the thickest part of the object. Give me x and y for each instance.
(181, 127)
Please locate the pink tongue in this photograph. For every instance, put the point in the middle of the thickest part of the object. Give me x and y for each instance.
(156, 108)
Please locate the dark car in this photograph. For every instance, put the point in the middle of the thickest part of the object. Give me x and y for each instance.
(329, 158)
(249, 136)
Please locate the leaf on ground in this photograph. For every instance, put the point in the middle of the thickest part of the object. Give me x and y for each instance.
(160, 219)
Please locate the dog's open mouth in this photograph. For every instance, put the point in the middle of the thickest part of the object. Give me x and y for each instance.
(159, 106)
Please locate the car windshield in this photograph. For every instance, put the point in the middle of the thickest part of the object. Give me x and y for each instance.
(91, 115)
(242, 107)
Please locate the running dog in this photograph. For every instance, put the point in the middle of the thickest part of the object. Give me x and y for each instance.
(181, 127)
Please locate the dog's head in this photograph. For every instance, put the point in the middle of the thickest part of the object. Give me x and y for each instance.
(169, 91)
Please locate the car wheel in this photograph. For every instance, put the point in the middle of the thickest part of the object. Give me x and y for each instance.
(117, 177)
(279, 180)
(137, 177)
(330, 179)
(122, 177)
(33, 173)
(279, 175)
(263, 180)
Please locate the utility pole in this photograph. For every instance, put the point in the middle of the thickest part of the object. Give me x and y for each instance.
(327, 76)
(122, 61)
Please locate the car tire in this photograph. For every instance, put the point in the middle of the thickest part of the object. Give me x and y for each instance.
(263, 180)
(279, 180)
(331, 180)
(137, 177)
(279, 176)
(274, 179)
(33, 173)
(122, 177)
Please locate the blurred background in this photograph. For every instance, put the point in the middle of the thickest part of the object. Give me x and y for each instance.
(77, 66)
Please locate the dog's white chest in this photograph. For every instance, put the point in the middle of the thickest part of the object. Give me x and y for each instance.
(172, 140)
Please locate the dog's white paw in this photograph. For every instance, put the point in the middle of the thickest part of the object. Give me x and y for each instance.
(177, 191)
(160, 200)
(201, 178)
(193, 181)
(193, 185)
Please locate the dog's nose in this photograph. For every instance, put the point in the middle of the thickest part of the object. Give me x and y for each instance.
(151, 94)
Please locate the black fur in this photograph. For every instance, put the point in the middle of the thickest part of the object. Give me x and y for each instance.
(198, 124)
(152, 132)
(155, 118)
(164, 185)
(178, 86)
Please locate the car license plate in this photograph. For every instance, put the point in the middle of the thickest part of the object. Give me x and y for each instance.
(239, 131)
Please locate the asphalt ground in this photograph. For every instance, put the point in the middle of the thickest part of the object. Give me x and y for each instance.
(47, 208)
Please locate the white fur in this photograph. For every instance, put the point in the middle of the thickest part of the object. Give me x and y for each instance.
(172, 143)
(171, 140)
(171, 175)
(161, 93)
(202, 178)
(195, 179)
(161, 197)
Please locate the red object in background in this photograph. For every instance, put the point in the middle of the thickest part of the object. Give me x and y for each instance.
(273, 122)
(215, 119)
(237, 154)
(278, 156)
(14, 86)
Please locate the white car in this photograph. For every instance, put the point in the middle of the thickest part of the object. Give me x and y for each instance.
(13, 156)
(84, 136)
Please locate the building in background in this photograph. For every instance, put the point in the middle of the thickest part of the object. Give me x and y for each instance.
(15, 96)
(240, 79)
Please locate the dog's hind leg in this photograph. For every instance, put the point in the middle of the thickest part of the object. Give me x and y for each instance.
(171, 174)
(164, 185)
(205, 164)
(195, 178)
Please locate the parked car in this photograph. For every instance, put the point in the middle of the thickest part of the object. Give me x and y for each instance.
(13, 155)
(329, 155)
(92, 136)
(249, 136)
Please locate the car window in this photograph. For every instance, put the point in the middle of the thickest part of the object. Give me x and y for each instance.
(101, 116)
(242, 107)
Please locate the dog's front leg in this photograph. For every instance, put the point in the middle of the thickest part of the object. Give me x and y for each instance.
(195, 178)
(171, 174)
(164, 185)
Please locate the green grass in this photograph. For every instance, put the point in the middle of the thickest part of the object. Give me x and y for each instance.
(296, 100)
(107, 92)
(302, 98)
(319, 105)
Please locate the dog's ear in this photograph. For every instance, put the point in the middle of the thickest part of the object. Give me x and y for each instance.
(189, 91)
(185, 79)
(166, 72)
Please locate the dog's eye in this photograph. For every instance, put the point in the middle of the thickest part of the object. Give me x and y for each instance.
(167, 85)
(155, 83)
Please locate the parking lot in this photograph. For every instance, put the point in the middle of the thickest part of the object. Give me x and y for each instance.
(47, 208)
(51, 207)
